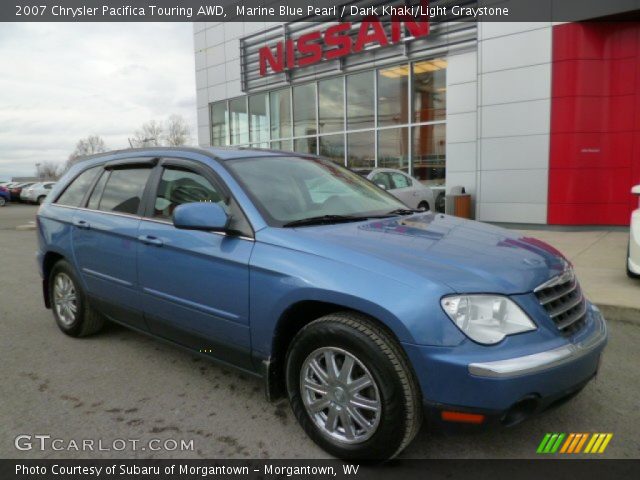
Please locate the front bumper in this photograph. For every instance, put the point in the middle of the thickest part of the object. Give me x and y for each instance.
(462, 379)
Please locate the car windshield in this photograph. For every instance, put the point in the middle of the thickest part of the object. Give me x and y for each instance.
(291, 189)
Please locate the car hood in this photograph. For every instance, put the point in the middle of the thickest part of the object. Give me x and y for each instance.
(468, 256)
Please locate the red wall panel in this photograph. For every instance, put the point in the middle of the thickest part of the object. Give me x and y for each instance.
(595, 123)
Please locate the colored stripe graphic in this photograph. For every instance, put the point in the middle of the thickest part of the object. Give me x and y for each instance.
(598, 443)
(550, 443)
(573, 443)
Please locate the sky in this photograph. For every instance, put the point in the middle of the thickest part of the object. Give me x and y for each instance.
(61, 82)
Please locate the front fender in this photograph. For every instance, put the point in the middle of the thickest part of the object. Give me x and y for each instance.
(281, 277)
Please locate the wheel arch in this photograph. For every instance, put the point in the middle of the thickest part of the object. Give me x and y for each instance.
(290, 322)
(48, 261)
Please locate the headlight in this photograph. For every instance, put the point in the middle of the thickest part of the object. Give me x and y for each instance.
(486, 318)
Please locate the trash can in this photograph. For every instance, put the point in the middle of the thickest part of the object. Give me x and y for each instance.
(458, 202)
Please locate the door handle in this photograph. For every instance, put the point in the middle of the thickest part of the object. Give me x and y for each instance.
(149, 240)
(82, 224)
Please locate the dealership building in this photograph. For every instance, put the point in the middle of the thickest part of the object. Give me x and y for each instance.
(540, 122)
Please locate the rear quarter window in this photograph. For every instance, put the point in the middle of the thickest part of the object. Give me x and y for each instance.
(77, 189)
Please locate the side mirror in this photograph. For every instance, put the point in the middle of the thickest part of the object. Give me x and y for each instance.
(636, 190)
(381, 185)
(207, 216)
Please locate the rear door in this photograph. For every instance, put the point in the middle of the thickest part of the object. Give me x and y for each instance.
(105, 239)
(195, 284)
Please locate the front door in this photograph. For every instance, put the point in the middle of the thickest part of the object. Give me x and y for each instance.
(195, 284)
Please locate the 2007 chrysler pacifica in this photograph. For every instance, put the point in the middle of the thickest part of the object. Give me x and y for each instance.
(368, 315)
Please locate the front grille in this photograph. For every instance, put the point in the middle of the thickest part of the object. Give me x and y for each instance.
(563, 300)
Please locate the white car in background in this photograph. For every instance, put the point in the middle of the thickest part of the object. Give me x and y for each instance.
(37, 192)
(633, 259)
(402, 186)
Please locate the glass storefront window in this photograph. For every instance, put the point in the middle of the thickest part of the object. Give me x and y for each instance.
(219, 124)
(393, 148)
(258, 119)
(429, 153)
(331, 105)
(360, 101)
(238, 121)
(304, 110)
(282, 145)
(332, 147)
(393, 100)
(305, 145)
(429, 90)
(280, 113)
(361, 150)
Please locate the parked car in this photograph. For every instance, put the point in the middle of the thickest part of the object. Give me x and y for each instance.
(633, 256)
(402, 186)
(367, 315)
(16, 190)
(37, 192)
(5, 196)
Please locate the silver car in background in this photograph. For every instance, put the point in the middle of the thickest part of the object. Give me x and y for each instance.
(407, 189)
(37, 192)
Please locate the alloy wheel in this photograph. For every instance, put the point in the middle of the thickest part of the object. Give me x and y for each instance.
(65, 299)
(340, 395)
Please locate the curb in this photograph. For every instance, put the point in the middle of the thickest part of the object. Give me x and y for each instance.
(620, 314)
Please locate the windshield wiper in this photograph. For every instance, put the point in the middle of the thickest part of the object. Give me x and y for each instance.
(404, 211)
(324, 220)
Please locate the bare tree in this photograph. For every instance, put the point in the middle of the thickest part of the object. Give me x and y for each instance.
(85, 147)
(150, 135)
(48, 170)
(178, 132)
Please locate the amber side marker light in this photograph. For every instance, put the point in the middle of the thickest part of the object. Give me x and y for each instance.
(460, 417)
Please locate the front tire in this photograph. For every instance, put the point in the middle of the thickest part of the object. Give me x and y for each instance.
(71, 310)
(352, 389)
(424, 206)
(3, 201)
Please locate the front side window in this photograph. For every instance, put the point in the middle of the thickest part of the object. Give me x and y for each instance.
(400, 181)
(179, 186)
(76, 191)
(287, 189)
(123, 191)
(382, 180)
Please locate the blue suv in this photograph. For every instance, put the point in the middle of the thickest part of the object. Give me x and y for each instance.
(367, 315)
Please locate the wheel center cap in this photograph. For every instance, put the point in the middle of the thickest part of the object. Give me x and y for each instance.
(339, 394)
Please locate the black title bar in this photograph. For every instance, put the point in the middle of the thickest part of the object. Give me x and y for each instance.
(312, 10)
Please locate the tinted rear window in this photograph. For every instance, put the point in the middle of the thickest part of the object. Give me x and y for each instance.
(77, 189)
(124, 189)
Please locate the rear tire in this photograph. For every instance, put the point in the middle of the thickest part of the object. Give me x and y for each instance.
(71, 310)
(41, 199)
(423, 205)
(351, 388)
(3, 201)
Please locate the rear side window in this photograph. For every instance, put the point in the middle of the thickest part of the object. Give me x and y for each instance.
(75, 192)
(123, 190)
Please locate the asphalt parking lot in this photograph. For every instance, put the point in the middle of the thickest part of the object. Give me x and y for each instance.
(121, 384)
